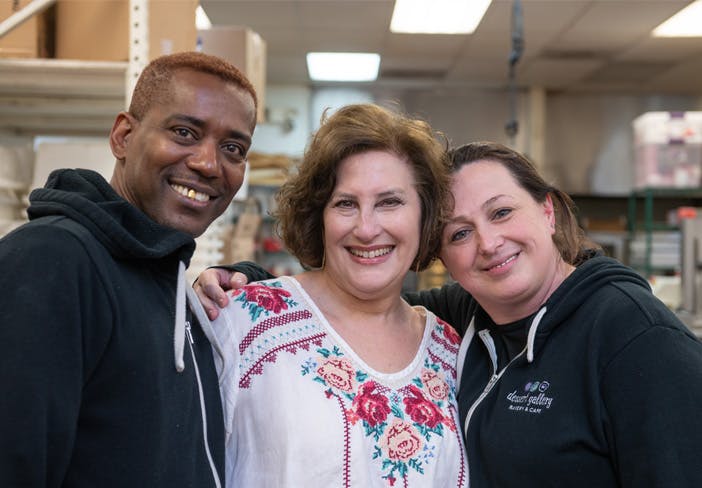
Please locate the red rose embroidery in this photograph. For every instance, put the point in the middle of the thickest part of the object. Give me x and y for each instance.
(451, 334)
(371, 406)
(435, 385)
(268, 297)
(337, 373)
(421, 410)
(400, 441)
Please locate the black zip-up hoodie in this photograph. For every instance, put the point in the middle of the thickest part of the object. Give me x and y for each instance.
(606, 393)
(101, 387)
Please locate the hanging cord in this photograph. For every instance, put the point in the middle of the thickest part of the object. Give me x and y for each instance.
(512, 125)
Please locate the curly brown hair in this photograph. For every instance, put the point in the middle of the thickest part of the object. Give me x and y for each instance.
(569, 238)
(154, 84)
(351, 130)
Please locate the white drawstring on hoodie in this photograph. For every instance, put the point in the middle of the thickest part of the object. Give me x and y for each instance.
(185, 294)
(531, 337)
(179, 326)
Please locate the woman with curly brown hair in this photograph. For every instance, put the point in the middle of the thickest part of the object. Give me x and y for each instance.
(330, 378)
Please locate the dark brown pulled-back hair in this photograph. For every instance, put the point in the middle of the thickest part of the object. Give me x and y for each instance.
(569, 238)
(352, 130)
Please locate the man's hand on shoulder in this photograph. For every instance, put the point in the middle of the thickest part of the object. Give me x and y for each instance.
(211, 287)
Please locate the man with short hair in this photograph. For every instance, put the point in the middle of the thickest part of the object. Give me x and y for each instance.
(107, 372)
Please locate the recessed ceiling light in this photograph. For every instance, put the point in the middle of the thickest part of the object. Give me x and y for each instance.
(343, 66)
(202, 21)
(437, 16)
(686, 23)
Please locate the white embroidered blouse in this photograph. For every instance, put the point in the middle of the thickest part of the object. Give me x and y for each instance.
(301, 409)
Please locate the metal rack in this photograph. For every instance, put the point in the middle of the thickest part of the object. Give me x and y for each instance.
(651, 221)
(56, 96)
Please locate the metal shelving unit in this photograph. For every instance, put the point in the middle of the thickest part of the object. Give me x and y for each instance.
(55, 96)
(656, 200)
(67, 97)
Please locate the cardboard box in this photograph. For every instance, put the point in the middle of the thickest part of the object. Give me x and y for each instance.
(99, 29)
(245, 49)
(30, 39)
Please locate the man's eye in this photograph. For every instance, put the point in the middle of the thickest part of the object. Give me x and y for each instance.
(231, 148)
(234, 152)
(183, 132)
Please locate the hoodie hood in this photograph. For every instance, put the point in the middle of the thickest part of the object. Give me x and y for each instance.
(126, 232)
(84, 196)
(586, 279)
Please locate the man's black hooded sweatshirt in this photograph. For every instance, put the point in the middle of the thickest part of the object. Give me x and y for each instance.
(105, 383)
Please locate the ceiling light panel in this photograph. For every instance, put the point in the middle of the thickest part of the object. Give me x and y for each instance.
(437, 16)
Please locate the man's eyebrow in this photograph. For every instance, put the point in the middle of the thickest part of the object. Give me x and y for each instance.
(187, 118)
(234, 134)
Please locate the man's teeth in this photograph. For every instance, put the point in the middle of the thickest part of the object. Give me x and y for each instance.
(190, 193)
(371, 254)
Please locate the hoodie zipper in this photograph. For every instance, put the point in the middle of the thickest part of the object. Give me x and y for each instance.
(191, 341)
(489, 344)
(189, 333)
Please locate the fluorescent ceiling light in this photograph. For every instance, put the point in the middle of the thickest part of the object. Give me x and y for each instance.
(437, 16)
(686, 23)
(343, 66)
(202, 21)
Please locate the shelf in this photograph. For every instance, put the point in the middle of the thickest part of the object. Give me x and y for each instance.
(642, 226)
(656, 203)
(60, 97)
(694, 192)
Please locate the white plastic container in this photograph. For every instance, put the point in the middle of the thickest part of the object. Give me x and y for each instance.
(668, 149)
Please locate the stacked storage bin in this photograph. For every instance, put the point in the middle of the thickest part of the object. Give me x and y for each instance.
(668, 150)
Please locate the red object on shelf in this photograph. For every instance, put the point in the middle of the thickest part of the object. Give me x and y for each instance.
(687, 213)
(271, 244)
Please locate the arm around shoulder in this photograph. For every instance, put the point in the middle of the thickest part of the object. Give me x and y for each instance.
(450, 303)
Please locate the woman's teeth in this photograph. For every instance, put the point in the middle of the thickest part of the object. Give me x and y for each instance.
(505, 262)
(371, 254)
(190, 193)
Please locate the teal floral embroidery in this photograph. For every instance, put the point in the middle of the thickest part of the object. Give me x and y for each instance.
(266, 298)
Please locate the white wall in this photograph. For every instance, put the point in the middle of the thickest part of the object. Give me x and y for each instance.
(288, 126)
(588, 137)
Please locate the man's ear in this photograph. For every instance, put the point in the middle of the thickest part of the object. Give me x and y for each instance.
(120, 134)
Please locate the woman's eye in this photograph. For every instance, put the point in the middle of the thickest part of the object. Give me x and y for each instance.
(502, 212)
(344, 204)
(458, 235)
(390, 202)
